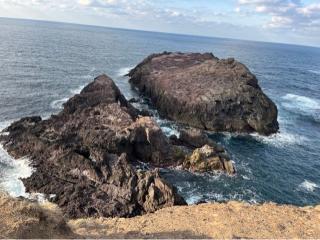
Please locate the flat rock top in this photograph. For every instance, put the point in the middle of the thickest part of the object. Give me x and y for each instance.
(193, 75)
(206, 92)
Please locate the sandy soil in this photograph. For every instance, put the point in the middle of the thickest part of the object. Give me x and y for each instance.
(231, 220)
(23, 219)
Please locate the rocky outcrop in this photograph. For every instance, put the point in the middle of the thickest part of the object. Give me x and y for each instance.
(208, 159)
(203, 91)
(207, 155)
(85, 156)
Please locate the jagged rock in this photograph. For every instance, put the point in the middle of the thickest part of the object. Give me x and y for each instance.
(207, 155)
(197, 138)
(150, 144)
(85, 155)
(207, 159)
(206, 92)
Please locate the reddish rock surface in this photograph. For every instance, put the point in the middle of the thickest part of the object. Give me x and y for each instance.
(203, 91)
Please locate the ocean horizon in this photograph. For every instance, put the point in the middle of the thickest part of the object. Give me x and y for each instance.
(155, 32)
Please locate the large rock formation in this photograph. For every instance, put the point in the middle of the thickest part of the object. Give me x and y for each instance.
(85, 155)
(88, 155)
(205, 92)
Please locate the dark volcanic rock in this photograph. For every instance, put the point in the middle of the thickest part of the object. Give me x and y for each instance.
(207, 156)
(85, 155)
(206, 92)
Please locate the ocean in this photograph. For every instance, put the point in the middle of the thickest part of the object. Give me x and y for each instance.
(42, 64)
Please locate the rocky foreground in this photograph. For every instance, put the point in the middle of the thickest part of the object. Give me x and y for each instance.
(87, 158)
(203, 91)
(22, 219)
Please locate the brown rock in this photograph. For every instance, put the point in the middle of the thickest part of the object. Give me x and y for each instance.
(206, 159)
(203, 91)
(85, 155)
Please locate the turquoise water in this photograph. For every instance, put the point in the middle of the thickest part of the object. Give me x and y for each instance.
(43, 64)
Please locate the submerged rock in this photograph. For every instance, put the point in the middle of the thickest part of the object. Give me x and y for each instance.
(203, 91)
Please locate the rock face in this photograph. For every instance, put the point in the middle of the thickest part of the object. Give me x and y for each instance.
(207, 156)
(207, 159)
(85, 155)
(203, 91)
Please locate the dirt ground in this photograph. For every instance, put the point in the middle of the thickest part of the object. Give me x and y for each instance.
(225, 220)
(24, 219)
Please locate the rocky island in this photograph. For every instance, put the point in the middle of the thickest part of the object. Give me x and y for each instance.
(203, 91)
(86, 158)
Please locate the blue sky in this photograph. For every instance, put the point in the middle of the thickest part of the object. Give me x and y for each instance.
(287, 21)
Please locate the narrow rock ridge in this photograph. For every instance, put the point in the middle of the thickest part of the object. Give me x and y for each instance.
(87, 155)
(203, 91)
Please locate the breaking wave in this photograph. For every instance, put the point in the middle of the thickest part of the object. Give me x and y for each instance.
(58, 104)
(308, 186)
(302, 105)
(315, 71)
(123, 71)
(281, 139)
(14, 170)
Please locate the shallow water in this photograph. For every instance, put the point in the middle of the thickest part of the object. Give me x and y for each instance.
(43, 64)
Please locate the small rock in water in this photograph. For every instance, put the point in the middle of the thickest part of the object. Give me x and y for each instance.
(207, 159)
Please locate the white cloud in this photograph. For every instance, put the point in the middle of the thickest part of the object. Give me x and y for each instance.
(84, 2)
(288, 14)
(243, 19)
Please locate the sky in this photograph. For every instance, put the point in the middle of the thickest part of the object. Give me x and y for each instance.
(286, 21)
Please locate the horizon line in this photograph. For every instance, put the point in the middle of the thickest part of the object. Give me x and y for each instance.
(161, 32)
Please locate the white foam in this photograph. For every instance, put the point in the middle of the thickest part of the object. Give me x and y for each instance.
(193, 199)
(302, 105)
(5, 124)
(123, 71)
(245, 177)
(301, 102)
(281, 139)
(168, 131)
(15, 169)
(308, 186)
(169, 128)
(58, 104)
(315, 71)
(77, 90)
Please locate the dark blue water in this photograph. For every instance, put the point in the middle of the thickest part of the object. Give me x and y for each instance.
(42, 64)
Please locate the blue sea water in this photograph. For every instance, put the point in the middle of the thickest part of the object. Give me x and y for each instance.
(42, 64)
